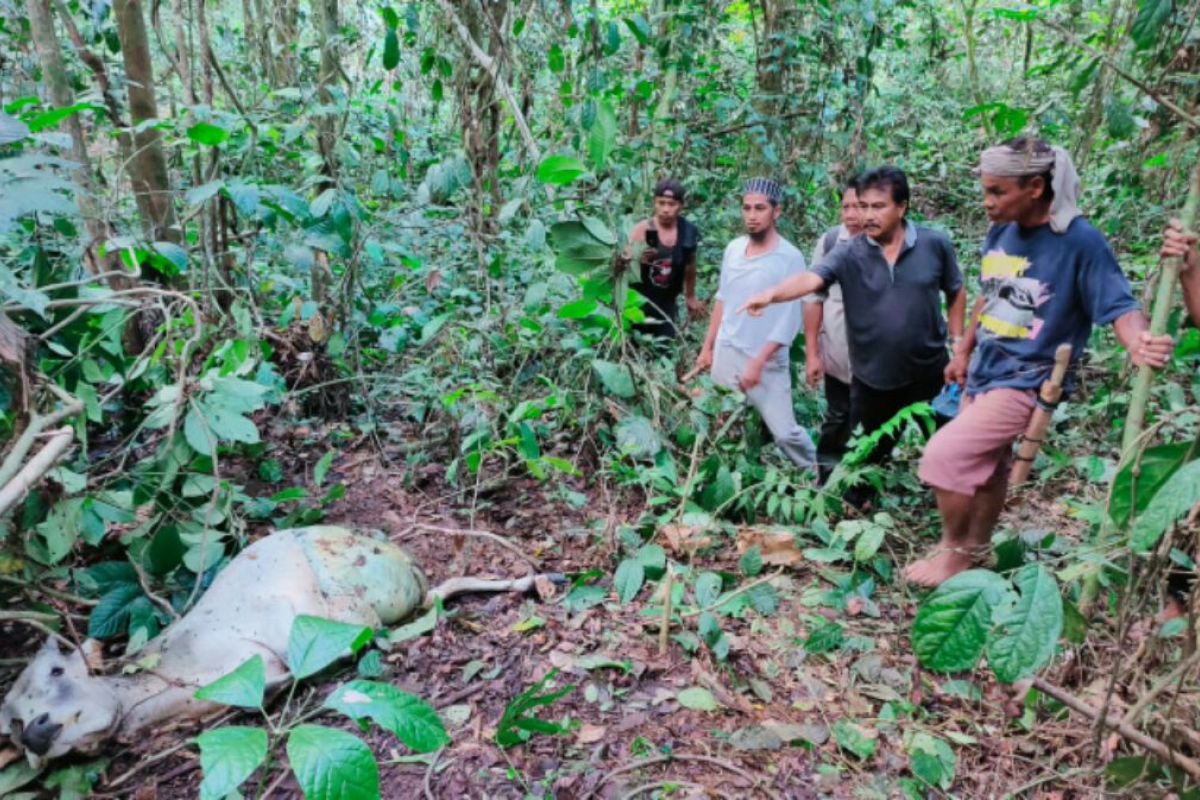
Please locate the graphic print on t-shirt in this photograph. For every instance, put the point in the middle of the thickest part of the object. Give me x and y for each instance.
(660, 272)
(1010, 299)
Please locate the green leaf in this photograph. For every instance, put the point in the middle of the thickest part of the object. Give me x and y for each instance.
(1151, 16)
(242, 688)
(228, 756)
(1136, 483)
(518, 724)
(637, 437)
(855, 739)
(111, 614)
(409, 718)
(602, 138)
(951, 627)
(207, 134)
(322, 468)
(555, 59)
(332, 765)
(560, 170)
(708, 589)
(1177, 496)
(616, 378)
(418, 627)
(390, 18)
(652, 556)
(391, 49)
(698, 698)
(628, 580)
(1026, 634)
(315, 643)
(869, 542)
(639, 27)
(50, 119)
(169, 258)
(932, 760)
(206, 191)
(579, 249)
(825, 639)
(751, 563)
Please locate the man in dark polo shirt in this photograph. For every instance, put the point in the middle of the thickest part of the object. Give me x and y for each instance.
(893, 280)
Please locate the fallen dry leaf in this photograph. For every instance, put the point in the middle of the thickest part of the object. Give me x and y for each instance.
(685, 539)
(778, 548)
(590, 734)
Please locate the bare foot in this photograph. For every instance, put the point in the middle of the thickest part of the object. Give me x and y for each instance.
(945, 563)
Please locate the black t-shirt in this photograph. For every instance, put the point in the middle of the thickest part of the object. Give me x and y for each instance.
(661, 280)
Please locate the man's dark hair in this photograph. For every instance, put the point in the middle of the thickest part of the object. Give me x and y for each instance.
(889, 177)
(851, 183)
(1033, 145)
(669, 187)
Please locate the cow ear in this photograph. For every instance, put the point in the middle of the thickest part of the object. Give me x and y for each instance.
(50, 646)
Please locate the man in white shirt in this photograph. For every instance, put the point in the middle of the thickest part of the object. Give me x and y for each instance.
(751, 353)
(827, 354)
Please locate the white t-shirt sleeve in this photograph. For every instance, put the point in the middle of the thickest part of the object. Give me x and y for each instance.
(787, 326)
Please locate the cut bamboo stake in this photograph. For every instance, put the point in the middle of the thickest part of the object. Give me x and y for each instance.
(24, 480)
(1164, 300)
(1039, 423)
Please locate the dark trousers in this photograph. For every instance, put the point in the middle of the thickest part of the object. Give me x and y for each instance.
(872, 407)
(835, 430)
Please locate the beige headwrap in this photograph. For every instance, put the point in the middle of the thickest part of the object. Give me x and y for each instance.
(1004, 162)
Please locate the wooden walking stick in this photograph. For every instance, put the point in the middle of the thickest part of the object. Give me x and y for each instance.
(1163, 302)
(1035, 432)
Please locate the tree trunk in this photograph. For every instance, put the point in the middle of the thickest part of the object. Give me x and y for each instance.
(45, 41)
(326, 13)
(148, 168)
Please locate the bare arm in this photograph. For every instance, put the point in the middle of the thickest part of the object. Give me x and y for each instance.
(705, 359)
(1133, 331)
(1190, 279)
(1180, 244)
(689, 279)
(814, 315)
(956, 370)
(793, 288)
(956, 313)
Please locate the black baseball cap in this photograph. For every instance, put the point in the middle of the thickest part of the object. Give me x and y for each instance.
(670, 188)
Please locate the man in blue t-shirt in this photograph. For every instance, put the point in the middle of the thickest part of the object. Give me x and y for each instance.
(1047, 278)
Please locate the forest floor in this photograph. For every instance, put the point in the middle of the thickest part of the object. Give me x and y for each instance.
(778, 705)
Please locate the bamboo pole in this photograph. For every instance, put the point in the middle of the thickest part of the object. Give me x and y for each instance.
(1163, 302)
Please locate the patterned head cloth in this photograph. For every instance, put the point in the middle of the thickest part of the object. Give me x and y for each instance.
(764, 186)
(1004, 161)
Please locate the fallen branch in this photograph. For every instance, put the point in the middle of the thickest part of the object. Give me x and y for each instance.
(491, 537)
(16, 488)
(1127, 732)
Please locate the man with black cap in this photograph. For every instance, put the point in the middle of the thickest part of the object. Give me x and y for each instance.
(667, 263)
(751, 353)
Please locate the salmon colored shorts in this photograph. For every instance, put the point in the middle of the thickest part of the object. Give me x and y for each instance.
(976, 446)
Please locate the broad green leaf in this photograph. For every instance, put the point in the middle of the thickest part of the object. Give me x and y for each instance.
(390, 18)
(110, 615)
(639, 27)
(579, 309)
(652, 556)
(951, 627)
(242, 688)
(1133, 490)
(332, 765)
(868, 542)
(391, 49)
(637, 437)
(1177, 496)
(578, 250)
(1151, 16)
(16, 775)
(207, 134)
(616, 378)
(206, 191)
(560, 170)
(751, 563)
(169, 258)
(315, 643)
(409, 718)
(418, 627)
(602, 138)
(698, 698)
(708, 589)
(932, 760)
(228, 756)
(50, 119)
(555, 59)
(825, 639)
(856, 739)
(628, 580)
(1026, 634)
